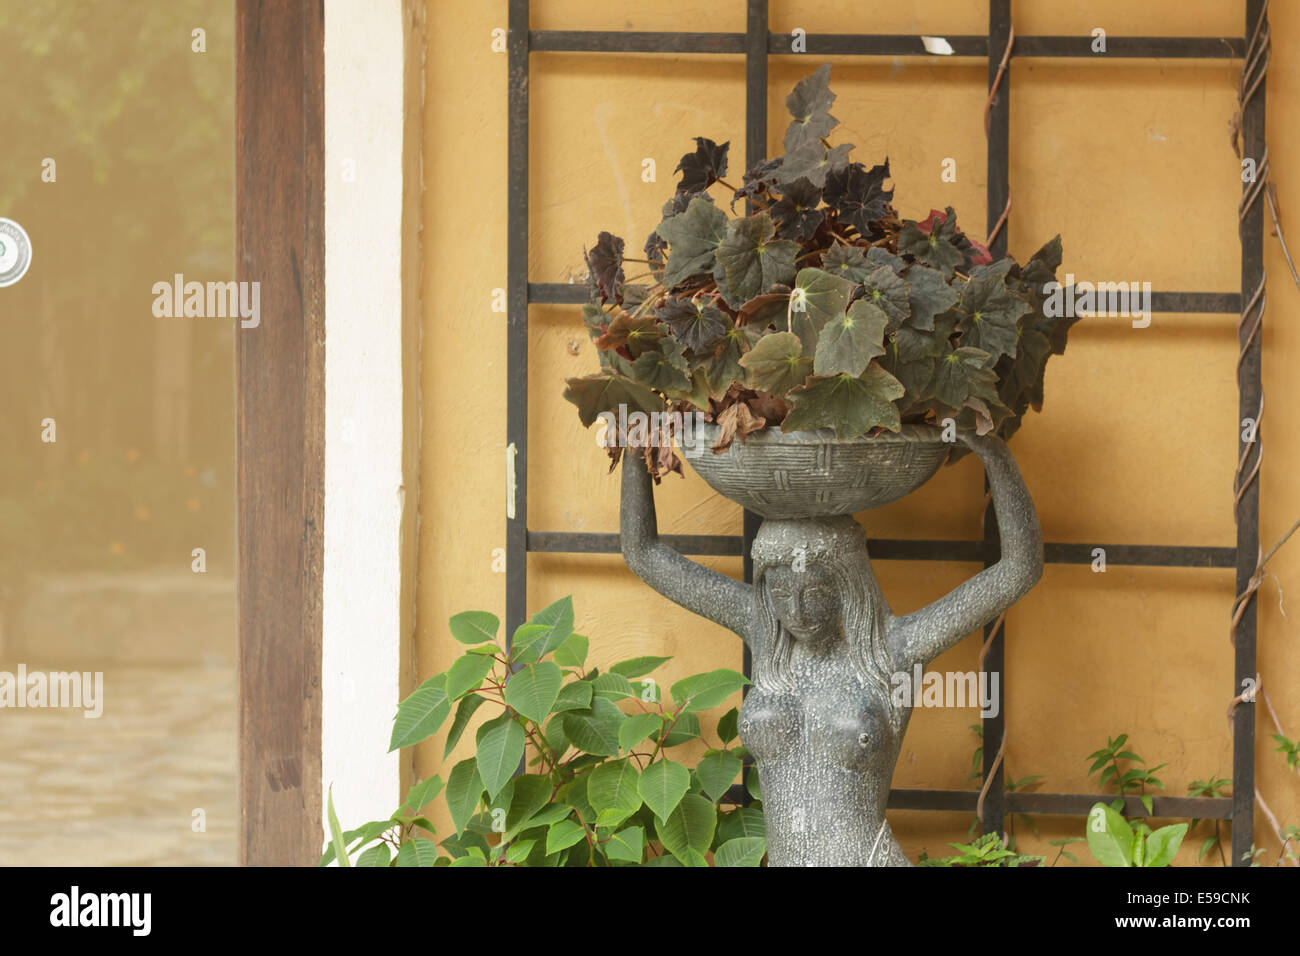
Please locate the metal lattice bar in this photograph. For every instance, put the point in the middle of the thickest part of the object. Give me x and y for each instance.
(908, 549)
(1185, 303)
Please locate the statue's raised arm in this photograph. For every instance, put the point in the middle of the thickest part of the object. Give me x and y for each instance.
(920, 637)
(719, 598)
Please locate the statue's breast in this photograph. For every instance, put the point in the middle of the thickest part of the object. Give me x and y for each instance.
(848, 727)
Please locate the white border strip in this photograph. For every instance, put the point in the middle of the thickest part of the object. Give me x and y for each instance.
(365, 488)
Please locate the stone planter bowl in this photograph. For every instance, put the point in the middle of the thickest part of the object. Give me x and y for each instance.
(808, 474)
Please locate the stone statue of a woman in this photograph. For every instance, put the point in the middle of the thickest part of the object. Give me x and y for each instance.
(820, 720)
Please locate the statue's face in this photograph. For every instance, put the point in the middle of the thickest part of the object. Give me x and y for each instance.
(806, 602)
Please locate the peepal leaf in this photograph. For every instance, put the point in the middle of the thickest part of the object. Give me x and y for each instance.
(702, 168)
(421, 714)
(776, 363)
(810, 103)
(851, 340)
(693, 237)
(594, 394)
(500, 748)
(689, 827)
(754, 261)
(605, 264)
(662, 786)
(696, 324)
(858, 194)
(851, 406)
(533, 689)
(992, 313)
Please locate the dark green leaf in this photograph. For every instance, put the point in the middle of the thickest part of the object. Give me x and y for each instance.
(776, 363)
(702, 168)
(991, 314)
(755, 261)
(810, 103)
(605, 393)
(818, 297)
(605, 266)
(695, 323)
(858, 195)
(886, 290)
(727, 725)
(811, 163)
(850, 340)
(694, 237)
(851, 406)
(847, 262)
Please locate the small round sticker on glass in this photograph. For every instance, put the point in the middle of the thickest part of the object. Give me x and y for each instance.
(15, 252)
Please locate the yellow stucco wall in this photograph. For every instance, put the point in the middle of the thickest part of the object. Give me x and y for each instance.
(1129, 161)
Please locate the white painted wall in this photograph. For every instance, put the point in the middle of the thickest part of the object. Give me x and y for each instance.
(365, 497)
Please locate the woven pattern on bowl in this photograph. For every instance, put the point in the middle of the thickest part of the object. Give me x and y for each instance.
(809, 474)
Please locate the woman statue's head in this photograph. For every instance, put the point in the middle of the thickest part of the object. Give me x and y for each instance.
(815, 588)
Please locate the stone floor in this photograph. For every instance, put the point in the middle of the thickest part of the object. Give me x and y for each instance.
(121, 790)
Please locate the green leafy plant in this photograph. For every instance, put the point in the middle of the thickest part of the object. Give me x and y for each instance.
(1213, 787)
(1290, 749)
(599, 788)
(985, 851)
(818, 308)
(1062, 851)
(1113, 842)
(1107, 761)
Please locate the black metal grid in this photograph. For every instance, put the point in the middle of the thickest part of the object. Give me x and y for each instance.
(756, 44)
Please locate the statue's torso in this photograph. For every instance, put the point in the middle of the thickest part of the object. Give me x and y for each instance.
(825, 751)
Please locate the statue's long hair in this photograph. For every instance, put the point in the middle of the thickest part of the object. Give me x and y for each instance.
(839, 546)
